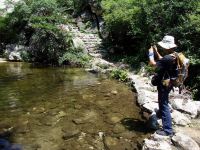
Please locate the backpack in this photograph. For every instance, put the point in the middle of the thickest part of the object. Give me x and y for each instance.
(182, 71)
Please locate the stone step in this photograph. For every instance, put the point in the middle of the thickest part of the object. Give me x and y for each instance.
(95, 55)
(91, 43)
(87, 37)
(98, 50)
(92, 46)
(89, 40)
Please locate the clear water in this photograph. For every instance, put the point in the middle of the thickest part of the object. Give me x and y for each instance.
(48, 108)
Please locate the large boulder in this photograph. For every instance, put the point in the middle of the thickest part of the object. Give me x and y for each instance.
(184, 142)
(13, 52)
(146, 96)
(187, 106)
(79, 44)
(156, 145)
(179, 118)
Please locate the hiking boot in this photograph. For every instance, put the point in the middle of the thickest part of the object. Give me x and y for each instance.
(163, 133)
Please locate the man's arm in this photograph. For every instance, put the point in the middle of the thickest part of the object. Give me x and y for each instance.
(156, 52)
(153, 51)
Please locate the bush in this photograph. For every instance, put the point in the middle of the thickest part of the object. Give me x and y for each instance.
(120, 75)
(120, 16)
(74, 59)
(66, 4)
(136, 25)
(47, 46)
(35, 24)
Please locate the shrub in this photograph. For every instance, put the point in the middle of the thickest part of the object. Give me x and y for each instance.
(135, 25)
(72, 58)
(120, 16)
(120, 75)
(35, 24)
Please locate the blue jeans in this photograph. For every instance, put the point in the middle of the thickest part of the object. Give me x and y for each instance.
(164, 111)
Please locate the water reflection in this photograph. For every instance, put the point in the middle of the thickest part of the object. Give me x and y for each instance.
(52, 108)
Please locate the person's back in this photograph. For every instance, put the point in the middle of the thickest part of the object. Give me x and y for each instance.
(167, 68)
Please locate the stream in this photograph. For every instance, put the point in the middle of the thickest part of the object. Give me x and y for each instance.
(51, 108)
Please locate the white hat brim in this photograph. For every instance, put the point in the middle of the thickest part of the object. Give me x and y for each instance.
(167, 45)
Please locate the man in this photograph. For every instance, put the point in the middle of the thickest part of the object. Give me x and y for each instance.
(166, 68)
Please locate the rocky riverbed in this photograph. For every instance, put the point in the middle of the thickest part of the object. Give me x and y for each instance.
(67, 108)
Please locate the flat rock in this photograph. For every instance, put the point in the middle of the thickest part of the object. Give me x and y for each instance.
(114, 92)
(88, 117)
(192, 132)
(177, 104)
(157, 137)
(188, 107)
(151, 106)
(156, 145)
(191, 108)
(184, 142)
(179, 118)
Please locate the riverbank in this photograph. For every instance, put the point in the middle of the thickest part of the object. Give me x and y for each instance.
(184, 110)
(2, 60)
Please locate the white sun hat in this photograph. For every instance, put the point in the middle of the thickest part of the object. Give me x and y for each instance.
(167, 42)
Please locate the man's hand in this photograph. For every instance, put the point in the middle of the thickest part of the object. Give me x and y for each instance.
(156, 52)
(151, 56)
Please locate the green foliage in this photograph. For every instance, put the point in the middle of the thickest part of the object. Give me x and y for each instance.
(135, 25)
(66, 3)
(149, 69)
(120, 16)
(120, 75)
(34, 23)
(47, 46)
(74, 59)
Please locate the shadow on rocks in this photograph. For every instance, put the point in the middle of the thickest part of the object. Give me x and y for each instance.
(135, 125)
